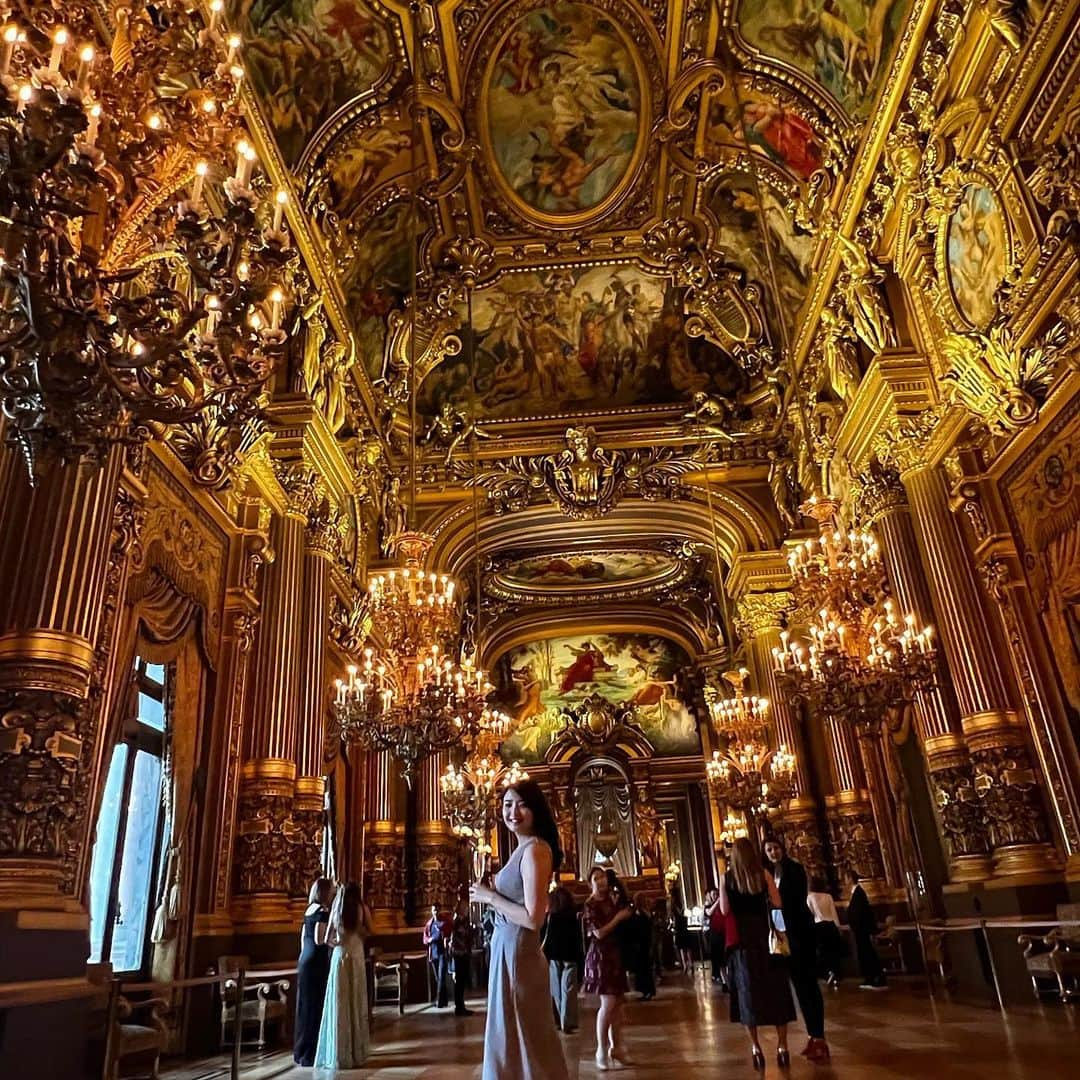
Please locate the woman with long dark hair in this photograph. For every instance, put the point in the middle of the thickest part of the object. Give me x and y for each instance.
(519, 1042)
(312, 971)
(344, 1037)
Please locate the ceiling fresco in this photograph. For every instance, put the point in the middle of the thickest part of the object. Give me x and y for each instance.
(557, 141)
(308, 58)
(574, 340)
(562, 109)
(843, 45)
(540, 679)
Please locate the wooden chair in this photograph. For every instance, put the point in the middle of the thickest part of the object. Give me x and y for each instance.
(137, 1047)
(391, 979)
(887, 943)
(262, 1002)
(1055, 957)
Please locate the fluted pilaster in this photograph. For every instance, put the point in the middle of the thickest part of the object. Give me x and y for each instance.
(937, 715)
(384, 845)
(437, 849)
(63, 558)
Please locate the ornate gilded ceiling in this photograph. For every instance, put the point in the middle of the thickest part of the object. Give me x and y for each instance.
(596, 210)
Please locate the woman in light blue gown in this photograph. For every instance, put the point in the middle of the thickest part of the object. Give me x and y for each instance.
(344, 1035)
(520, 1040)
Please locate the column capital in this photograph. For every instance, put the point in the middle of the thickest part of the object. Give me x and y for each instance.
(758, 571)
(758, 613)
(878, 492)
(323, 536)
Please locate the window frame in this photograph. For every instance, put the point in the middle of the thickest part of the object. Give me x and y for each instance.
(137, 735)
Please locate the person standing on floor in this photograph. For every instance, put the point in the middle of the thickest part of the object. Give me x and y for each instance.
(758, 980)
(791, 883)
(461, 948)
(344, 1035)
(831, 948)
(437, 933)
(684, 940)
(517, 1037)
(562, 947)
(604, 972)
(640, 931)
(714, 919)
(312, 971)
(860, 917)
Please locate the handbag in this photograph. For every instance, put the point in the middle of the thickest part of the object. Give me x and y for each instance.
(778, 940)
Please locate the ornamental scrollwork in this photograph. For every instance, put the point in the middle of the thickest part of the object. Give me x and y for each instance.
(759, 613)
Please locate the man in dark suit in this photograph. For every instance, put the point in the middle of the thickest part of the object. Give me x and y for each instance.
(799, 924)
(863, 924)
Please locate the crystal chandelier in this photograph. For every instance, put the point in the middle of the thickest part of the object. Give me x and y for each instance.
(860, 658)
(411, 706)
(140, 285)
(733, 828)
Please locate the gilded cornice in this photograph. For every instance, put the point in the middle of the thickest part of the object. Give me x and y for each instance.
(758, 572)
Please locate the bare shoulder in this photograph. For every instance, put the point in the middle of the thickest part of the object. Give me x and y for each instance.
(537, 854)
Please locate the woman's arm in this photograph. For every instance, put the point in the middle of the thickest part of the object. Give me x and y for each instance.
(331, 935)
(602, 932)
(367, 928)
(724, 901)
(535, 875)
(321, 930)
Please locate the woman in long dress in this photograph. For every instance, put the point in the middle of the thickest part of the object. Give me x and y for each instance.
(344, 1036)
(605, 911)
(760, 991)
(520, 1041)
(312, 971)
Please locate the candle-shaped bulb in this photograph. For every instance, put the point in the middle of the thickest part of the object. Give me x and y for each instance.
(277, 298)
(281, 199)
(234, 44)
(201, 169)
(86, 58)
(60, 40)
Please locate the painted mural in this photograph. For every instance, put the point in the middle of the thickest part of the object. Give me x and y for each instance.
(543, 677)
(563, 108)
(844, 45)
(772, 129)
(307, 58)
(593, 568)
(573, 339)
(734, 206)
(977, 253)
(375, 277)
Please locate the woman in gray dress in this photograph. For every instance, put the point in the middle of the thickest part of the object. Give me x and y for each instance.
(520, 1040)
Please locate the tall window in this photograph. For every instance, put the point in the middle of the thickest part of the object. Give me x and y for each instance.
(125, 866)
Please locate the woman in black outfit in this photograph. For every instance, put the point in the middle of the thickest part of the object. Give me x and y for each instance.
(312, 971)
(760, 993)
(640, 932)
(684, 939)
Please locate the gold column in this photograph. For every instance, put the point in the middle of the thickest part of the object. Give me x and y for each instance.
(63, 569)
(437, 849)
(310, 789)
(853, 833)
(384, 844)
(268, 841)
(937, 715)
(759, 618)
(1005, 779)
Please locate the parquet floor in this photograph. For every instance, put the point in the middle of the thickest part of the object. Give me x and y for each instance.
(685, 1032)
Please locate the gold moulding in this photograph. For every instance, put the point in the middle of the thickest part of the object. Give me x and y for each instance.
(52, 660)
(438, 832)
(848, 800)
(986, 730)
(387, 830)
(268, 776)
(802, 807)
(1018, 859)
(30, 883)
(970, 868)
(945, 751)
(313, 787)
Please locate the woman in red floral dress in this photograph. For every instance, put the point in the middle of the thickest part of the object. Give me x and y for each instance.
(604, 974)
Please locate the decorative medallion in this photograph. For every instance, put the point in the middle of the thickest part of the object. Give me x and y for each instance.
(565, 576)
(976, 257)
(562, 102)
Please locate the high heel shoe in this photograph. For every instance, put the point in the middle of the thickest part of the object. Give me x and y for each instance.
(619, 1058)
(783, 1058)
(759, 1059)
(603, 1062)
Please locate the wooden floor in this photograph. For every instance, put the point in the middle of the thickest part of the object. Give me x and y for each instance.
(685, 1032)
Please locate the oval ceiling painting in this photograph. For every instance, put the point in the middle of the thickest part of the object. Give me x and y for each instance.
(593, 572)
(562, 112)
(977, 255)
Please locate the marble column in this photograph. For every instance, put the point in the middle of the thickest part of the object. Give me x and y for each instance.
(320, 549)
(437, 849)
(1004, 776)
(63, 558)
(759, 618)
(268, 841)
(884, 505)
(384, 845)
